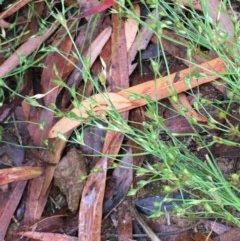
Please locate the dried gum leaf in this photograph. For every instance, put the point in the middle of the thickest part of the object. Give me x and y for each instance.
(156, 89)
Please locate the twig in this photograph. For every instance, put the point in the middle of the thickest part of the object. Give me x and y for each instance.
(145, 227)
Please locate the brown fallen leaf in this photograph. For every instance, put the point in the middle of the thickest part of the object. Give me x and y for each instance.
(118, 76)
(178, 125)
(157, 89)
(97, 8)
(172, 232)
(13, 174)
(231, 235)
(56, 66)
(99, 103)
(34, 202)
(131, 28)
(33, 24)
(125, 229)
(219, 17)
(118, 184)
(26, 49)
(49, 224)
(8, 204)
(93, 138)
(4, 24)
(47, 236)
(140, 45)
(189, 111)
(90, 213)
(14, 8)
(90, 52)
(192, 4)
(216, 227)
